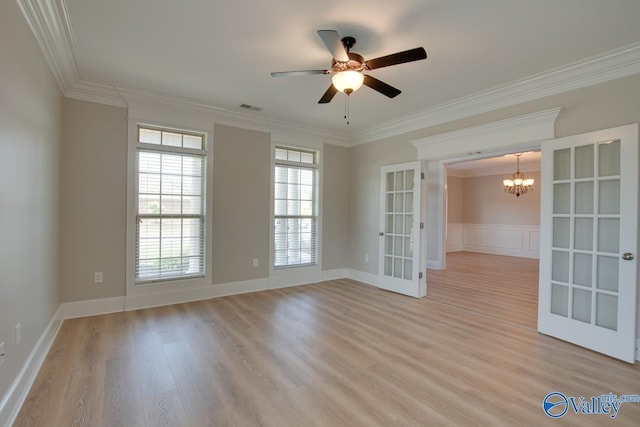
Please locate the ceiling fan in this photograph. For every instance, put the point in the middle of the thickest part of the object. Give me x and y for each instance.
(348, 67)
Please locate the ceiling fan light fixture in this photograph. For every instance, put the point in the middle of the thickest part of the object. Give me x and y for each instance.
(347, 81)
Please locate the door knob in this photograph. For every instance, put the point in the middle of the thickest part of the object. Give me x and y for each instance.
(627, 256)
(381, 234)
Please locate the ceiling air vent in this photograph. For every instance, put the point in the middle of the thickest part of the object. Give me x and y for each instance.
(250, 107)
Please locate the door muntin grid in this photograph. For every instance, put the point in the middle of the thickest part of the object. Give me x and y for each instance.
(586, 233)
(399, 224)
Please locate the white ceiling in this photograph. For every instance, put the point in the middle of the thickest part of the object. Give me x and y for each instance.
(221, 52)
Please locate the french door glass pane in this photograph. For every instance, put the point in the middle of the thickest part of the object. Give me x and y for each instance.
(607, 311)
(609, 158)
(560, 267)
(561, 233)
(561, 198)
(582, 270)
(562, 164)
(399, 205)
(591, 186)
(582, 305)
(607, 276)
(560, 299)
(584, 197)
(608, 235)
(583, 233)
(609, 200)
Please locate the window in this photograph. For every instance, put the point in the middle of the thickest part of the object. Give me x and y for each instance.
(170, 205)
(295, 207)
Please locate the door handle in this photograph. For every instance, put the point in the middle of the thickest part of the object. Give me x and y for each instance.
(627, 256)
(381, 234)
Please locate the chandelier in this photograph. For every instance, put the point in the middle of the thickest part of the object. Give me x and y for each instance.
(518, 185)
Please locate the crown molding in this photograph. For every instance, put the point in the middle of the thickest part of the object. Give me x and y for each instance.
(493, 137)
(49, 22)
(610, 65)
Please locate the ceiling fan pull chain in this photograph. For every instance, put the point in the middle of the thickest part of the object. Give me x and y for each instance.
(346, 108)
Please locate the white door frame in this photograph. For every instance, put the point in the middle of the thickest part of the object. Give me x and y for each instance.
(517, 134)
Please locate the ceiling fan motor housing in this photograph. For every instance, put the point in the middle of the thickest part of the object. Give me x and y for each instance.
(355, 63)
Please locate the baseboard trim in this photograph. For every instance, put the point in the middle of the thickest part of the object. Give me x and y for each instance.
(339, 273)
(137, 302)
(361, 276)
(434, 265)
(243, 287)
(17, 393)
(74, 309)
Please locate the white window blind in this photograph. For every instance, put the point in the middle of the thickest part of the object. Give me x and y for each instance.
(170, 213)
(295, 207)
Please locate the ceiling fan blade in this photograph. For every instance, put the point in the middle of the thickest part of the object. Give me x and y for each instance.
(397, 58)
(299, 73)
(328, 95)
(333, 42)
(381, 86)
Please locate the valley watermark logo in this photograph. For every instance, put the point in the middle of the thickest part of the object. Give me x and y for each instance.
(557, 404)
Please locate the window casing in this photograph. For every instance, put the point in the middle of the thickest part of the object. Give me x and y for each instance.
(295, 208)
(170, 213)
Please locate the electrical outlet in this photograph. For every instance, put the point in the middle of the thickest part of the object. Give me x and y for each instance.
(256, 262)
(366, 257)
(1, 353)
(18, 334)
(98, 277)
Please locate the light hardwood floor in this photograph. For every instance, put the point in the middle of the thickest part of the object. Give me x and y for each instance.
(337, 353)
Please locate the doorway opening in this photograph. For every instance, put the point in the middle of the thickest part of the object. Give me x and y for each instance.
(490, 251)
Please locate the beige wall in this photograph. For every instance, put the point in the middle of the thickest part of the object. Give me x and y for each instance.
(30, 117)
(241, 191)
(93, 202)
(335, 204)
(455, 202)
(364, 194)
(485, 202)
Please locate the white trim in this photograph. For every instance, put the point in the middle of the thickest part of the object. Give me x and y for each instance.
(73, 309)
(338, 273)
(174, 296)
(243, 287)
(454, 237)
(363, 277)
(296, 275)
(638, 349)
(49, 23)
(165, 118)
(610, 65)
(19, 389)
(513, 132)
(436, 214)
(498, 239)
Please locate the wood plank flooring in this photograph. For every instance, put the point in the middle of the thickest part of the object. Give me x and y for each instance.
(503, 287)
(337, 353)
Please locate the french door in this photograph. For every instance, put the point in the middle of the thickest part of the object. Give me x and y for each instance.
(401, 262)
(588, 241)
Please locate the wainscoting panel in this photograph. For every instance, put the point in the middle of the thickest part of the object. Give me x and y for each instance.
(498, 239)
